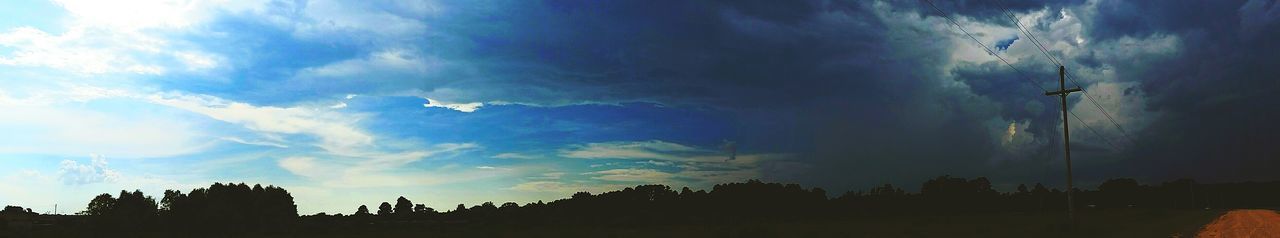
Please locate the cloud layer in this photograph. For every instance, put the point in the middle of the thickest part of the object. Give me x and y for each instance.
(467, 101)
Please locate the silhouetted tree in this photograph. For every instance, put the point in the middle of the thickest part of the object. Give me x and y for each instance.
(231, 210)
(100, 205)
(362, 210)
(419, 208)
(403, 207)
(17, 210)
(226, 209)
(946, 193)
(384, 209)
(1119, 192)
(130, 212)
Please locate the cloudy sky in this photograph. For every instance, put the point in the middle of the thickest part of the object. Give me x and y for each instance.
(357, 102)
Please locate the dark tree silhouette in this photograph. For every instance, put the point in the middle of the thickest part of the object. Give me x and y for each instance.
(404, 207)
(100, 205)
(1121, 192)
(235, 210)
(946, 193)
(362, 210)
(420, 209)
(384, 209)
(219, 209)
(129, 212)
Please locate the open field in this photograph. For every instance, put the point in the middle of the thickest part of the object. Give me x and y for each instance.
(1105, 223)
(1093, 223)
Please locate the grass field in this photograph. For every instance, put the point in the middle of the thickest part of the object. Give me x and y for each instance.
(1104, 223)
(1092, 223)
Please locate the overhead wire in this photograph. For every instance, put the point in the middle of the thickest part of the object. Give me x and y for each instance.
(1015, 69)
(1043, 49)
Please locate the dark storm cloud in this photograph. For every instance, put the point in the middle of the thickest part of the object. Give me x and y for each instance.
(989, 11)
(859, 99)
(1218, 97)
(860, 90)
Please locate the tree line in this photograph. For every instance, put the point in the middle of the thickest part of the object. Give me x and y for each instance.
(757, 201)
(223, 209)
(218, 209)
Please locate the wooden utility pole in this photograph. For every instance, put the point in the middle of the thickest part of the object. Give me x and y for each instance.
(1066, 137)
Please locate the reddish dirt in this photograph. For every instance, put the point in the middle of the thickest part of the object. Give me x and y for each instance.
(1244, 223)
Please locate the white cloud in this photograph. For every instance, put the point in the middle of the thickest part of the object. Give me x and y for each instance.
(680, 164)
(462, 107)
(197, 61)
(391, 60)
(127, 36)
(72, 173)
(336, 132)
(81, 50)
(559, 189)
(133, 14)
(631, 175)
(654, 149)
(548, 176)
(656, 163)
(336, 19)
(305, 166)
(260, 143)
(513, 156)
(540, 186)
(379, 169)
(56, 122)
(70, 183)
(1014, 139)
(340, 105)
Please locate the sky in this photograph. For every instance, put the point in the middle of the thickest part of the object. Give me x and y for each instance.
(348, 103)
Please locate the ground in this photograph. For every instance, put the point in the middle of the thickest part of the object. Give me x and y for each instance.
(1244, 223)
(1092, 223)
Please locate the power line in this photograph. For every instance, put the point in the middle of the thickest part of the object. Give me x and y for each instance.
(1015, 69)
(1031, 37)
(1104, 110)
(1040, 45)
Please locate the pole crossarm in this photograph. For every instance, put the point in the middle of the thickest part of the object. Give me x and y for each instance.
(1063, 92)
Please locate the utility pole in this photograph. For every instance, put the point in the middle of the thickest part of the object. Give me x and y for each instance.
(1066, 137)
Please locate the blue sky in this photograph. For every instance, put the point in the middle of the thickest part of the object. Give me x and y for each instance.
(349, 103)
(320, 97)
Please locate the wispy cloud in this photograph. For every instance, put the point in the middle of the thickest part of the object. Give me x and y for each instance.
(336, 131)
(513, 156)
(654, 149)
(55, 121)
(631, 175)
(260, 143)
(560, 188)
(461, 107)
(676, 164)
(380, 169)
